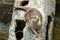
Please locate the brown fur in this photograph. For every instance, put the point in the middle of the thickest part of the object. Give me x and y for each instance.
(34, 14)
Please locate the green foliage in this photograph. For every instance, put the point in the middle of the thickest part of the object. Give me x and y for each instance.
(3, 35)
(10, 0)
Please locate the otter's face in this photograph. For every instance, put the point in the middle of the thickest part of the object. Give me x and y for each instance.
(35, 21)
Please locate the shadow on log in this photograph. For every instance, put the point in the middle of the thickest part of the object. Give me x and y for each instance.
(20, 24)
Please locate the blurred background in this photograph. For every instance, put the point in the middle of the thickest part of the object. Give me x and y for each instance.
(6, 8)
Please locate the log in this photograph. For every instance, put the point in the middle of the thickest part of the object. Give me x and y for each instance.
(46, 7)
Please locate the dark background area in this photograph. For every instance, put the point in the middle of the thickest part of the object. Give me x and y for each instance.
(6, 7)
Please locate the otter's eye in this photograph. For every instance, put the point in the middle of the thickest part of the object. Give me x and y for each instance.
(24, 3)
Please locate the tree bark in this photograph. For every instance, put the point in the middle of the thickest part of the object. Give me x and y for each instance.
(15, 15)
(46, 7)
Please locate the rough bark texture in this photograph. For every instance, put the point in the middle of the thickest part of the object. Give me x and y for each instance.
(16, 15)
(46, 7)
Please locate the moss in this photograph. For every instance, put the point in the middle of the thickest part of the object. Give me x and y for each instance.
(56, 31)
(3, 35)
